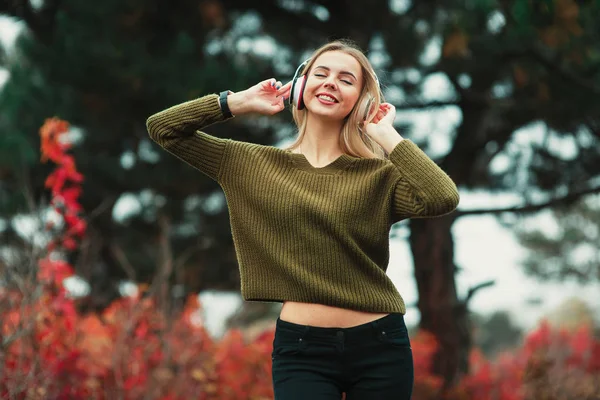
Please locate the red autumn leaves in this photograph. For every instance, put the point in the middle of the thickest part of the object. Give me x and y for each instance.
(64, 182)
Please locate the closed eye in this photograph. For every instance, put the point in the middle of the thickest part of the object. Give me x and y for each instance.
(347, 82)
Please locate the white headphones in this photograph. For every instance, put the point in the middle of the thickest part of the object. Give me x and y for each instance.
(299, 83)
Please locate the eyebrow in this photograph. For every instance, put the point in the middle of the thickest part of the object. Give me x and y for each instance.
(341, 72)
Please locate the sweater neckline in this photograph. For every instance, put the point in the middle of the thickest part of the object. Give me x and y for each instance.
(334, 167)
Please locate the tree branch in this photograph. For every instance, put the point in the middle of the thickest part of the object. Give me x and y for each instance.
(563, 72)
(470, 294)
(554, 66)
(530, 207)
(476, 288)
(160, 283)
(426, 105)
(123, 261)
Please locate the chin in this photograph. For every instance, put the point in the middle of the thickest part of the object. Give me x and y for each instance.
(322, 111)
(329, 116)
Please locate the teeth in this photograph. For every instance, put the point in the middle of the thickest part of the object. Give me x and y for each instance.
(324, 97)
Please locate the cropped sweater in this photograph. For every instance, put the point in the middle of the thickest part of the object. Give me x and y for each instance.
(304, 233)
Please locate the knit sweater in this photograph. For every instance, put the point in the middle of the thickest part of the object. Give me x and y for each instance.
(304, 233)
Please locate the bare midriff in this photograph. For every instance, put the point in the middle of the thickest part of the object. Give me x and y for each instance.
(325, 316)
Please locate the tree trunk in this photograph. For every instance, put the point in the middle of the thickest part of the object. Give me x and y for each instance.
(442, 312)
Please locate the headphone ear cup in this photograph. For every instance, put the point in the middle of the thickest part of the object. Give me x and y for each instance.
(366, 107)
(296, 95)
(301, 93)
(298, 83)
(293, 91)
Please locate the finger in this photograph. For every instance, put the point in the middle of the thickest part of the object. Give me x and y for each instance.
(285, 87)
(275, 84)
(390, 112)
(278, 102)
(284, 93)
(278, 105)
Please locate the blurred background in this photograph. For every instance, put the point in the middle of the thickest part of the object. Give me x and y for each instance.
(503, 94)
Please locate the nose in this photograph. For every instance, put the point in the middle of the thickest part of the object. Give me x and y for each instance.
(329, 83)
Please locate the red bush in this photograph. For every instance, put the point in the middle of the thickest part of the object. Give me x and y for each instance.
(132, 350)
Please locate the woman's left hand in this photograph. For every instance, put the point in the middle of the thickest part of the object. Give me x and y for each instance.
(383, 120)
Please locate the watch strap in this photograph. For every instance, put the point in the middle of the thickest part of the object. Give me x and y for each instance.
(223, 103)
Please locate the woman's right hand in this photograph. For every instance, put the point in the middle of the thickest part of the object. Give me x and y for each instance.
(266, 98)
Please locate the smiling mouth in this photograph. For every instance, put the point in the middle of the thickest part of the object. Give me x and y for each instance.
(326, 99)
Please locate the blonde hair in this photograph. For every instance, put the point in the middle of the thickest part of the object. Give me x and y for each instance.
(352, 140)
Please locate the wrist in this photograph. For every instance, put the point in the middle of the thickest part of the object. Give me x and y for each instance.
(237, 103)
(389, 138)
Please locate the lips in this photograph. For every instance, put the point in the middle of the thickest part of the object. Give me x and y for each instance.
(329, 95)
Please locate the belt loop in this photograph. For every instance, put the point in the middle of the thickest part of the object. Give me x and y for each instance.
(375, 326)
(305, 330)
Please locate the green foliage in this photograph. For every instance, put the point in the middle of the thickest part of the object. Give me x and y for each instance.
(521, 12)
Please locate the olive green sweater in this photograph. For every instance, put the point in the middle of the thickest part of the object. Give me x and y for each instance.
(302, 233)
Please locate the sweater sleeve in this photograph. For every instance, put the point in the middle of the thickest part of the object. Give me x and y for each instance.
(177, 130)
(422, 189)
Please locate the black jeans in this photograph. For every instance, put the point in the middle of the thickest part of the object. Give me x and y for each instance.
(372, 361)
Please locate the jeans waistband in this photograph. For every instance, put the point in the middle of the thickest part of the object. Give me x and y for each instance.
(390, 321)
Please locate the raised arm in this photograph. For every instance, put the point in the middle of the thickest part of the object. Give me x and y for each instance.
(422, 188)
(178, 129)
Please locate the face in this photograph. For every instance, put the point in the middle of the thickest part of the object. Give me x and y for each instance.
(333, 86)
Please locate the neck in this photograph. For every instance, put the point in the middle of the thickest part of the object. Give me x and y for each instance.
(321, 138)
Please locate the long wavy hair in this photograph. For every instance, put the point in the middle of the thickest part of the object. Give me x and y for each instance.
(352, 140)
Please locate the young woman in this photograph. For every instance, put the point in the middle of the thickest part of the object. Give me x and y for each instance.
(311, 223)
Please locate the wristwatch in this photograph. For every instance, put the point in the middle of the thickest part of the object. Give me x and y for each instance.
(223, 103)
